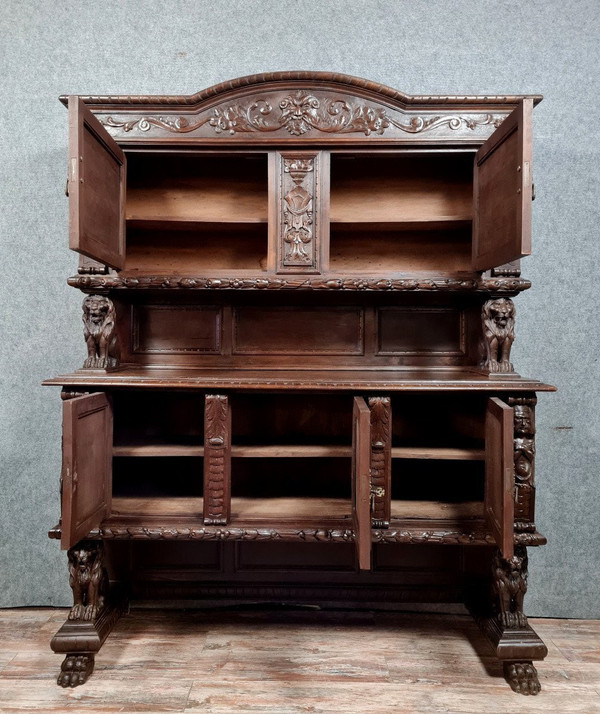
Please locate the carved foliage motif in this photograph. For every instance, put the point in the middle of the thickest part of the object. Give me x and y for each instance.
(498, 318)
(380, 460)
(510, 585)
(301, 112)
(224, 534)
(88, 580)
(153, 282)
(298, 189)
(216, 459)
(524, 454)
(99, 332)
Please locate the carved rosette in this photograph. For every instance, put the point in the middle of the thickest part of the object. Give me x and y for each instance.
(498, 324)
(217, 462)
(298, 208)
(524, 459)
(381, 445)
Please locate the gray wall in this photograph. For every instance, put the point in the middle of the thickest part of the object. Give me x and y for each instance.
(179, 46)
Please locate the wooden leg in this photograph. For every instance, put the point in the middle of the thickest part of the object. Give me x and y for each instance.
(505, 625)
(92, 616)
(522, 677)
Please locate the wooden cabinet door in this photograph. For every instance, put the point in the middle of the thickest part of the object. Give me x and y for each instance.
(499, 499)
(502, 192)
(86, 480)
(96, 187)
(361, 481)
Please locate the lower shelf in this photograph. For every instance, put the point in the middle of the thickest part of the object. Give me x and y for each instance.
(436, 509)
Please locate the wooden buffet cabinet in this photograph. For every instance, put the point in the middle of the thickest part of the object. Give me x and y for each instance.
(298, 387)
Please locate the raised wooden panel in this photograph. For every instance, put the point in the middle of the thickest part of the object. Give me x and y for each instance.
(287, 556)
(86, 477)
(298, 330)
(96, 188)
(503, 192)
(499, 500)
(300, 226)
(420, 331)
(176, 329)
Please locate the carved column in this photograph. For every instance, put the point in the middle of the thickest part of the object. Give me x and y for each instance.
(99, 332)
(524, 460)
(381, 460)
(498, 323)
(217, 460)
(299, 212)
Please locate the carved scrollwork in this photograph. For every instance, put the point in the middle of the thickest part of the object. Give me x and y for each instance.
(297, 210)
(510, 585)
(99, 332)
(179, 125)
(498, 318)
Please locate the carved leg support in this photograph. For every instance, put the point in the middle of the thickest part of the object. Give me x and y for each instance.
(75, 669)
(90, 619)
(522, 677)
(515, 643)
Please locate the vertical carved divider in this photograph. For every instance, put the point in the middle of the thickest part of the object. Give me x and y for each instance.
(217, 460)
(381, 460)
(524, 456)
(299, 217)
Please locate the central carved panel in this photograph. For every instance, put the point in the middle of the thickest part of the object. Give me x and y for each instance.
(298, 209)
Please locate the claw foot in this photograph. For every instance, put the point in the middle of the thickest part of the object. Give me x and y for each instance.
(75, 670)
(522, 677)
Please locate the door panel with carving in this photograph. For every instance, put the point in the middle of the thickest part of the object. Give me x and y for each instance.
(361, 477)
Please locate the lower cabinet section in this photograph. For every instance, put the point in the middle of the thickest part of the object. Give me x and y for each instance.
(358, 469)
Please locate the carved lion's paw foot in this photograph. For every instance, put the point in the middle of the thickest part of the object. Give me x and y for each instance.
(91, 612)
(522, 677)
(75, 670)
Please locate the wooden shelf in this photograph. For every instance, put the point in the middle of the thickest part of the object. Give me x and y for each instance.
(441, 453)
(436, 509)
(148, 449)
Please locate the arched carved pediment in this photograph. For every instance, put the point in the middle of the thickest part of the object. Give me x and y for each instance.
(311, 106)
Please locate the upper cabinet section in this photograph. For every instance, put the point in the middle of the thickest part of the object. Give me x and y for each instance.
(300, 174)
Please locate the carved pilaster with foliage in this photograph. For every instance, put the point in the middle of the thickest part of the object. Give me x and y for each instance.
(100, 334)
(524, 459)
(381, 460)
(498, 323)
(217, 460)
(298, 211)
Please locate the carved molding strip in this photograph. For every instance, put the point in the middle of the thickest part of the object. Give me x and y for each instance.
(217, 461)
(153, 282)
(445, 537)
(223, 534)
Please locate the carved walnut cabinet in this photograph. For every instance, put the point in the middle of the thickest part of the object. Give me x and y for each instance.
(297, 386)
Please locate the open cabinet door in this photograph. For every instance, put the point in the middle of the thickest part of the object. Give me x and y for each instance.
(499, 500)
(361, 481)
(96, 188)
(86, 481)
(502, 192)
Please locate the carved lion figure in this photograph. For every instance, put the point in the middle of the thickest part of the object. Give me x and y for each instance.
(99, 332)
(510, 582)
(88, 580)
(499, 333)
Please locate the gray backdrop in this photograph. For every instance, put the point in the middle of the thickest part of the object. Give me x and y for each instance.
(179, 46)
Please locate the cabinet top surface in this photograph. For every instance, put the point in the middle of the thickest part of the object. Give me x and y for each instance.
(298, 79)
(408, 379)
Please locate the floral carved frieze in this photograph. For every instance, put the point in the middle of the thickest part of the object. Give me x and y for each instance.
(300, 113)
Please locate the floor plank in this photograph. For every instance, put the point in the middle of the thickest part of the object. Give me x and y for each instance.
(294, 661)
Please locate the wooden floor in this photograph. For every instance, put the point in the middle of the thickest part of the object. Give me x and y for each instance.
(284, 662)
